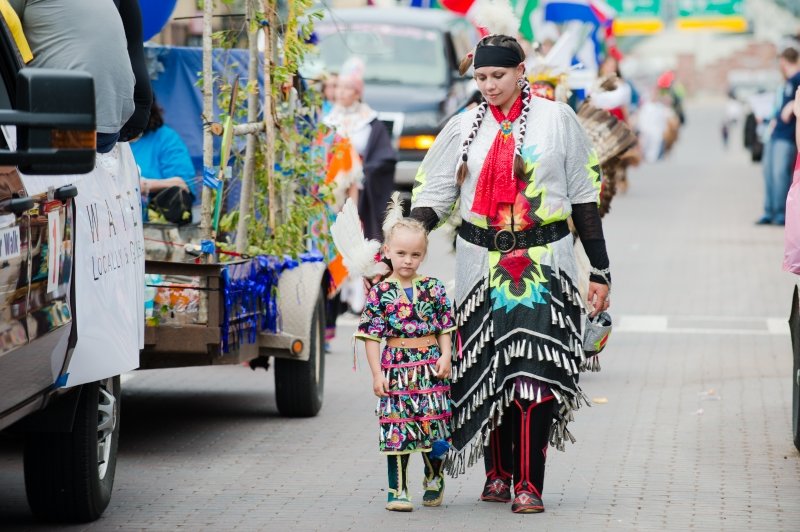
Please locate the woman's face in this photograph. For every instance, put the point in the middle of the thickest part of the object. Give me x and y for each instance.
(608, 67)
(498, 85)
(346, 93)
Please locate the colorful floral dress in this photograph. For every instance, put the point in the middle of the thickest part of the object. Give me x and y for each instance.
(416, 412)
(519, 314)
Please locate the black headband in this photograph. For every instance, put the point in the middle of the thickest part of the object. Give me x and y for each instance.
(496, 56)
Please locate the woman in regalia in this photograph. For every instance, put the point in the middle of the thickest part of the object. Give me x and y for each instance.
(520, 165)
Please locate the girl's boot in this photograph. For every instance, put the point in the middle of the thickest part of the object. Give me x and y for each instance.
(434, 481)
(398, 499)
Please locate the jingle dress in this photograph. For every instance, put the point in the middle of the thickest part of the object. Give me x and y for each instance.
(416, 412)
(519, 314)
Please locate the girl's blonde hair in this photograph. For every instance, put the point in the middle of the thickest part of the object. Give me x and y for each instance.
(406, 223)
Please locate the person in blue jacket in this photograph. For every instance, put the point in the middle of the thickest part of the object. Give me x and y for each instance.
(167, 173)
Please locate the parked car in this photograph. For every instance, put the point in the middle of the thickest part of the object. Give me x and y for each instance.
(411, 74)
(71, 432)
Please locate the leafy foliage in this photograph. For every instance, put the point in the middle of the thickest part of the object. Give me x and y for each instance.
(299, 173)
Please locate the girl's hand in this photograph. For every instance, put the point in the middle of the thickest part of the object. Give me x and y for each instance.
(599, 298)
(380, 386)
(443, 367)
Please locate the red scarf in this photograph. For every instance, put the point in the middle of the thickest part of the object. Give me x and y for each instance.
(497, 183)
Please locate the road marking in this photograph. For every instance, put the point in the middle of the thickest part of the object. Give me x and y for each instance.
(725, 325)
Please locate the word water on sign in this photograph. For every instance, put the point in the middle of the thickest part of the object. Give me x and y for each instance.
(9, 243)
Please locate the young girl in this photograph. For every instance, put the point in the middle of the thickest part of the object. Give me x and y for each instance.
(411, 375)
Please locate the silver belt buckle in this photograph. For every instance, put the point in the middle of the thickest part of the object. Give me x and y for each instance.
(505, 240)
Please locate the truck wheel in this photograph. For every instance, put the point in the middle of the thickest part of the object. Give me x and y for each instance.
(299, 384)
(69, 475)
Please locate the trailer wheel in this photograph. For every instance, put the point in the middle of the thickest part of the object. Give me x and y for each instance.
(299, 384)
(69, 475)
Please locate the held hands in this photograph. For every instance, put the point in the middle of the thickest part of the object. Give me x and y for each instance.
(443, 367)
(599, 298)
(380, 386)
(385, 270)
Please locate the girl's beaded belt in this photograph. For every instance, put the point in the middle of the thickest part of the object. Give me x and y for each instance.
(506, 240)
(412, 343)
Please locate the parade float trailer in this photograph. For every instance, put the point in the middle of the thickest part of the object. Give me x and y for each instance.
(211, 304)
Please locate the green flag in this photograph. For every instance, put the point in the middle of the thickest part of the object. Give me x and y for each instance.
(524, 9)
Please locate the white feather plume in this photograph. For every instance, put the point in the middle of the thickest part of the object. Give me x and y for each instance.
(358, 253)
(497, 16)
(394, 213)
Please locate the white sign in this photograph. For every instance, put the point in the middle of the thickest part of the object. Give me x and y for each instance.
(9, 243)
(109, 266)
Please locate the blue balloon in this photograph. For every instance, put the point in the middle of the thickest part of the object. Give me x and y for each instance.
(155, 15)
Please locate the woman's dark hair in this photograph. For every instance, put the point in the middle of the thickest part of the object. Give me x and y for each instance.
(156, 117)
(519, 164)
(505, 41)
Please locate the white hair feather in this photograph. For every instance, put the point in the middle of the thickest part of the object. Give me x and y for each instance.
(497, 16)
(394, 213)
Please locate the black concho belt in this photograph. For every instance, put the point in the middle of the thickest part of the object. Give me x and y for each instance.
(506, 240)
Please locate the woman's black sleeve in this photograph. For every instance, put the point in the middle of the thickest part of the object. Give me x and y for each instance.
(587, 222)
(426, 215)
(142, 92)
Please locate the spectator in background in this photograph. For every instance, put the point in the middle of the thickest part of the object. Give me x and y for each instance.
(780, 151)
(328, 92)
(101, 38)
(167, 180)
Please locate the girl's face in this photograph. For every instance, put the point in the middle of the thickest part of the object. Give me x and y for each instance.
(498, 85)
(346, 94)
(406, 249)
(329, 88)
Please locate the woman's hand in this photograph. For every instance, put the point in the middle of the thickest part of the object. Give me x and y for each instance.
(443, 367)
(380, 386)
(599, 298)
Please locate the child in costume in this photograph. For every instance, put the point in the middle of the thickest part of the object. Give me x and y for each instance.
(411, 373)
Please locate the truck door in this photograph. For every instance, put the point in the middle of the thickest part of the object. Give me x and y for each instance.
(24, 373)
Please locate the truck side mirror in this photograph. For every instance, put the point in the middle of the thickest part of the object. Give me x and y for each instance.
(55, 121)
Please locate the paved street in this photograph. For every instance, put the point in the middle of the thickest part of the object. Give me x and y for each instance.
(690, 430)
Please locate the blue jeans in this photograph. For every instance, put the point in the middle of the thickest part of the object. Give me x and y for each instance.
(779, 159)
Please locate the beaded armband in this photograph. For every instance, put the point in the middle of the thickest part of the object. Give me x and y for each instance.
(601, 276)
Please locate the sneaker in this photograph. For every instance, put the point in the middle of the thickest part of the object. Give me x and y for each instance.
(527, 503)
(496, 490)
(764, 220)
(434, 491)
(399, 503)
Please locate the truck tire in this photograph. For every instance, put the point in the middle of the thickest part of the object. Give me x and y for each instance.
(69, 475)
(299, 384)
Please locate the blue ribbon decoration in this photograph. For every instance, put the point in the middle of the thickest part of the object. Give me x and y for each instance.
(250, 297)
(210, 179)
(208, 247)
